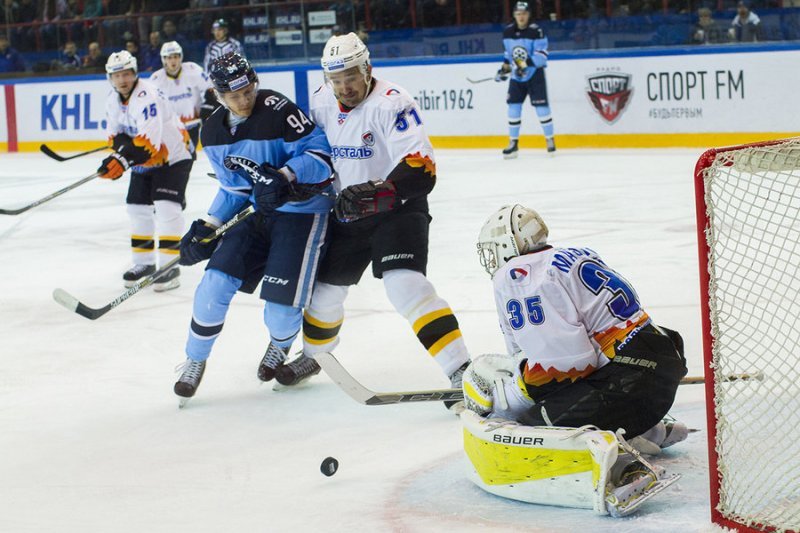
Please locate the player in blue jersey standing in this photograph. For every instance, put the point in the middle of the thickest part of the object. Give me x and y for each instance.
(266, 152)
(524, 61)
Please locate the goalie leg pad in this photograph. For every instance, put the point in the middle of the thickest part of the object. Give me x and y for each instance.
(546, 465)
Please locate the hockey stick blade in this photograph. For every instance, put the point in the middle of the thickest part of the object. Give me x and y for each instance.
(365, 396)
(73, 304)
(46, 150)
(481, 80)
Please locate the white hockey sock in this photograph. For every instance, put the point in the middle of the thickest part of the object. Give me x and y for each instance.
(143, 227)
(432, 320)
(169, 216)
(323, 318)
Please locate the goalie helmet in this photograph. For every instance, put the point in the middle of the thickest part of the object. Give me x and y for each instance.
(171, 48)
(119, 61)
(231, 72)
(512, 231)
(343, 52)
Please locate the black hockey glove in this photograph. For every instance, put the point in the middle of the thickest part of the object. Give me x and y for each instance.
(272, 190)
(365, 199)
(209, 104)
(192, 251)
(502, 73)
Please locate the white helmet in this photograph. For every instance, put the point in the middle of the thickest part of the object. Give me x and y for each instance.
(119, 61)
(170, 48)
(513, 230)
(343, 52)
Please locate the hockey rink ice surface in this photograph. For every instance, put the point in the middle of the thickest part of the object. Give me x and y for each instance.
(91, 437)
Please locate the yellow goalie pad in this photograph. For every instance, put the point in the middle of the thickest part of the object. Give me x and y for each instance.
(547, 465)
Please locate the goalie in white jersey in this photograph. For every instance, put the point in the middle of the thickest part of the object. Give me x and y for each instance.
(186, 87)
(584, 350)
(384, 170)
(148, 138)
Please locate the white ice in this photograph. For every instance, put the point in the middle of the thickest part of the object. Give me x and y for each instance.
(91, 438)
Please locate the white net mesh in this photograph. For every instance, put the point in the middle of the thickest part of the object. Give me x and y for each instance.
(752, 199)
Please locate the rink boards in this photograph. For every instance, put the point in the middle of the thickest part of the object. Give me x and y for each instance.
(659, 97)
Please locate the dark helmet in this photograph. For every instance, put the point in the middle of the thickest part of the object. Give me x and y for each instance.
(220, 23)
(231, 72)
(521, 6)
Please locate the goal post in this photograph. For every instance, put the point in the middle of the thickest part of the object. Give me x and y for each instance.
(748, 229)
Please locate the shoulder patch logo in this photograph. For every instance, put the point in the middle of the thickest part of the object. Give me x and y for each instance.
(392, 91)
(368, 138)
(141, 93)
(518, 274)
(270, 100)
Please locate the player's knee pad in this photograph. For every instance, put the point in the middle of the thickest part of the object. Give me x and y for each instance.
(327, 299)
(213, 297)
(283, 322)
(407, 290)
(543, 112)
(168, 213)
(142, 219)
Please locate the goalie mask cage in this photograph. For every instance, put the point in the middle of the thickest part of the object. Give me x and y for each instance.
(748, 214)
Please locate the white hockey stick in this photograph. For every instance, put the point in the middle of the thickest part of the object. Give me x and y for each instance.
(363, 395)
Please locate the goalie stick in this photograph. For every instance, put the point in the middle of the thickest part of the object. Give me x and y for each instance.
(73, 304)
(50, 153)
(363, 395)
(49, 196)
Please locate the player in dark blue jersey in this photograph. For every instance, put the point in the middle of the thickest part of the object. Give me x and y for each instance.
(266, 152)
(524, 60)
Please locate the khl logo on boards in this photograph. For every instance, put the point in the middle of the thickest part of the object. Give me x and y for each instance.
(609, 93)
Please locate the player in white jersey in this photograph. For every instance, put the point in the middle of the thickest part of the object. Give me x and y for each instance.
(186, 87)
(147, 137)
(585, 350)
(384, 170)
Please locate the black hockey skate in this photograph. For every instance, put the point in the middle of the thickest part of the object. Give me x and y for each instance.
(551, 144)
(272, 360)
(190, 378)
(512, 150)
(456, 380)
(297, 371)
(170, 280)
(136, 273)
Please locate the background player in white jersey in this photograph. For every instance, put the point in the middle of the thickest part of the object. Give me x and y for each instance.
(384, 169)
(221, 45)
(524, 60)
(150, 139)
(186, 88)
(585, 351)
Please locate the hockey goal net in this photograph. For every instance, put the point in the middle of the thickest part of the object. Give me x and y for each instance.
(748, 211)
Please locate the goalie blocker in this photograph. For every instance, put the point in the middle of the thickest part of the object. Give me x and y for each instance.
(570, 467)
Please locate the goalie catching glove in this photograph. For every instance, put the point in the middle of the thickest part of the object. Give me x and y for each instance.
(364, 199)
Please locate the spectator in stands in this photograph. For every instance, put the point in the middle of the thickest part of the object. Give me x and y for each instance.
(10, 60)
(95, 60)
(169, 31)
(132, 46)
(746, 26)
(151, 57)
(222, 43)
(26, 37)
(70, 60)
(706, 31)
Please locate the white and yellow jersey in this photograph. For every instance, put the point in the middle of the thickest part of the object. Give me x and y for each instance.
(566, 311)
(382, 134)
(184, 92)
(147, 119)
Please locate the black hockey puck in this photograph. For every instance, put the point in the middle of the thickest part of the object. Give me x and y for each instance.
(329, 466)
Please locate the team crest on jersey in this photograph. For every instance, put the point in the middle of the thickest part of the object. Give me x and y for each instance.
(368, 138)
(342, 117)
(609, 94)
(392, 91)
(518, 274)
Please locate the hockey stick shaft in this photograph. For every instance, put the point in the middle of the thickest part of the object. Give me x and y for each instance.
(49, 196)
(46, 150)
(366, 396)
(73, 304)
(481, 80)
